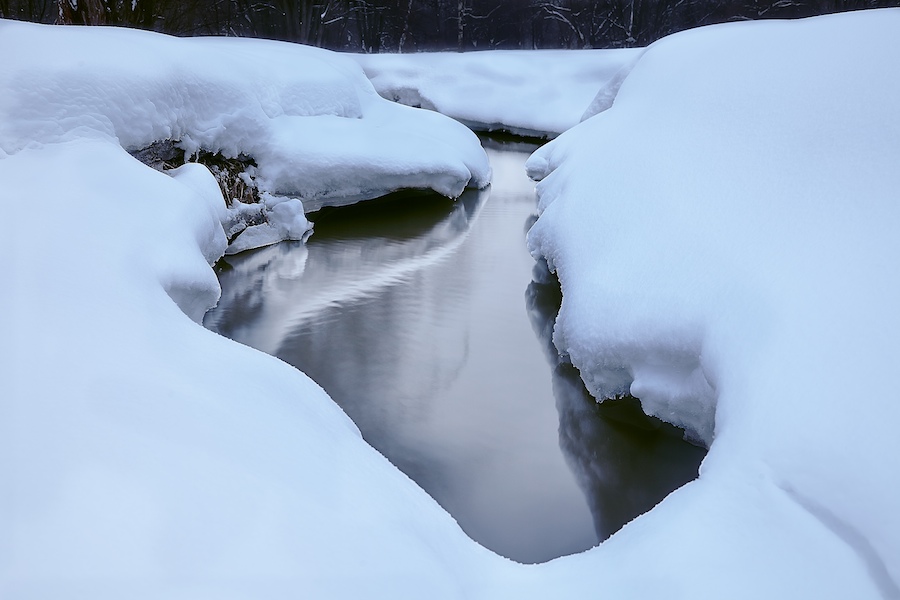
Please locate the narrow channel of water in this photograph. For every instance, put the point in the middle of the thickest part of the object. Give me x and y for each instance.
(419, 317)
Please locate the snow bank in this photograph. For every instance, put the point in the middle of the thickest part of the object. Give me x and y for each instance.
(308, 117)
(728, 228)
(144, 456)
(526, 92)
(726, 238)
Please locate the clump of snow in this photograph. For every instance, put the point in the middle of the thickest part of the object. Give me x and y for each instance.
(725, 235)
(309, 118)
(526, 92)
(285, 220)
(144, 456)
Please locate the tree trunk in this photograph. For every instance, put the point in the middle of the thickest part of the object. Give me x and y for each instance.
(460, 23)
(81, 12)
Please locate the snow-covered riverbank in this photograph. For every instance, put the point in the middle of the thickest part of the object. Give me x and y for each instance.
(144, 456)
(726, 233)
(308, 118)
(532, 92)
(726, 240)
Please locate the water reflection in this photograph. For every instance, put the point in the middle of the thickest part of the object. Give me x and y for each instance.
(625, 461)
(409, 313)
(364, 249)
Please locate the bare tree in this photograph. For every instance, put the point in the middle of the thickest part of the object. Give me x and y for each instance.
(82, 12)
(415, 25)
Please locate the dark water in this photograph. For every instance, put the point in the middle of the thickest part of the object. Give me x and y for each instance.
(420, 318)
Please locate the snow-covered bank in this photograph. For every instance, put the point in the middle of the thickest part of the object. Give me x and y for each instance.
(729, 225)
(309, 118)
(726, 239)
(526, 92)
(145, 457)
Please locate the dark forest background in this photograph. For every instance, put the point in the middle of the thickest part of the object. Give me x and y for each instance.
(417, 25)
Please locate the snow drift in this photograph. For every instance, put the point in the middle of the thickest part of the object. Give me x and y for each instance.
(725, 236)
(527, 92)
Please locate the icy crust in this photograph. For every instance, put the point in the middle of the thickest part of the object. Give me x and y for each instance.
(525, 92)
(725, 235)
(308, 117)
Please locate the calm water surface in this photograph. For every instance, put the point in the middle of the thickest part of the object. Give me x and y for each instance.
(420, 318)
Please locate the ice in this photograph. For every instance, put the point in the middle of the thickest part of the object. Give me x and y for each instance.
(527, 92)
(285, 221)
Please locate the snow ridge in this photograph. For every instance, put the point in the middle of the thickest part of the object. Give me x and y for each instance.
(721, 234)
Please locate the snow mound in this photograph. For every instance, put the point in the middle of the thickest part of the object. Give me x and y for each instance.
(526, 92)
(144, 456)
(309, 118)
(725, 235)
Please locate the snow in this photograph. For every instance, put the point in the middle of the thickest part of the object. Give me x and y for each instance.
(145, 456)
(725, 237)
(142, 455)
(309, 118)
(528, 92)
(285, 221)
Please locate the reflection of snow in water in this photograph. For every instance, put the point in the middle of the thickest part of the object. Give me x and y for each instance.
(410, 316)
(625, 462)
(287, 290)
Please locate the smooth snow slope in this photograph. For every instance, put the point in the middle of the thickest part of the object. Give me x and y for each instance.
(527, 92)
(141, 455)
(726, 236)
(727, 228)
(146, 457)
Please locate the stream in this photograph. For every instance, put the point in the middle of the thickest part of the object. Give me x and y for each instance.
(419, 317)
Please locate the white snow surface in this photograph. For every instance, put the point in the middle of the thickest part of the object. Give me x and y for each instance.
(726, 239)
(146, 457)
(309, 117)
(526, 92)
(727, 228)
